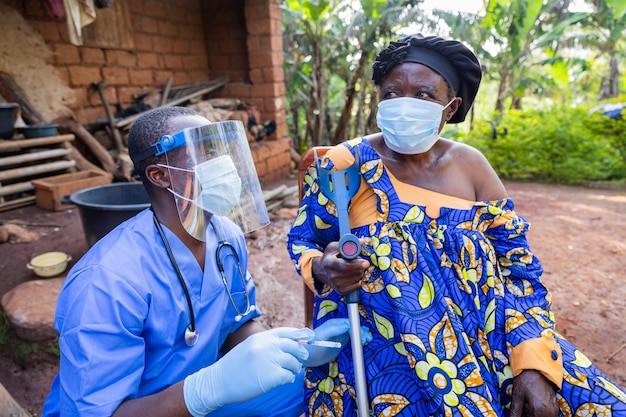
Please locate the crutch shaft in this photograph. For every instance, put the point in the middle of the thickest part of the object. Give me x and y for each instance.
(360, 384)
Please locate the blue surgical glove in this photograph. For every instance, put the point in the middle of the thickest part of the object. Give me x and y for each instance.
(263, 361)
(334, 330)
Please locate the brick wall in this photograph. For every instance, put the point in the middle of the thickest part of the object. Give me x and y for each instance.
(190, 41)
(244, 43)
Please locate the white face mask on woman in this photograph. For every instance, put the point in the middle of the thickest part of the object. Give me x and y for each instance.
(410, 125)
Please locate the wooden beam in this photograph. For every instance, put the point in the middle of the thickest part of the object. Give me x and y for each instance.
(117, 137)
(82, 163)
(16, 145)
(22, 172)
(20, 187)
(166, 91)
(217, 84)
(18, 202)
(97, 149)
(34, 156)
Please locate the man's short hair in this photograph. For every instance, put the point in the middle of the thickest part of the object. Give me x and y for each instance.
(148, 130)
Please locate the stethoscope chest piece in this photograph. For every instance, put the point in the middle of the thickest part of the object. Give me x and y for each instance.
(191, 336)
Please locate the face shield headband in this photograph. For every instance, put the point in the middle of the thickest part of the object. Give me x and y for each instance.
(212, 173)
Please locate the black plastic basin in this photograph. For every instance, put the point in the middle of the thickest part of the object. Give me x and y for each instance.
(104, 207)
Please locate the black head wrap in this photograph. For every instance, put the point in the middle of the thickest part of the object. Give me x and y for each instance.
(450, 59)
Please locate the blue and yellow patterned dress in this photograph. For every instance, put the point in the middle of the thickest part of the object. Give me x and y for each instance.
(454, 303)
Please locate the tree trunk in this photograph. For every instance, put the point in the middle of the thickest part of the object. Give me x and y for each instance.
(371, 124)
(343, 123)
(516, 102)
(501, 89)
(316, 111)
(613, 76)
(362, 111)
(295, 128)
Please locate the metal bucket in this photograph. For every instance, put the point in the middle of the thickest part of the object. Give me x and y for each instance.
(104, 207)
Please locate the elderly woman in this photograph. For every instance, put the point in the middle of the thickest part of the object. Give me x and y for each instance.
(449, 287)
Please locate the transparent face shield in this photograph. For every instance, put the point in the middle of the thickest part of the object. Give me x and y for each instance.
(212, 174)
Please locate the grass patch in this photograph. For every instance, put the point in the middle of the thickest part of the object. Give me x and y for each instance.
(22, 351)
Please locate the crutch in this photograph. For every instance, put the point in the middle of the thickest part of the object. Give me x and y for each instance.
(340, 186)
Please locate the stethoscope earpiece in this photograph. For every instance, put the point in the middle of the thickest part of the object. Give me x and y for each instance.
(250, 309)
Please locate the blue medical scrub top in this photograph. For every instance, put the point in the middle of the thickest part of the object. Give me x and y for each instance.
(122, 315)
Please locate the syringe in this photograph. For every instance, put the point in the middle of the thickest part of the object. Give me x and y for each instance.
(322, 343)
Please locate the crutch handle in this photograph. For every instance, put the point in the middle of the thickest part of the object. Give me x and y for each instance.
(349, 246)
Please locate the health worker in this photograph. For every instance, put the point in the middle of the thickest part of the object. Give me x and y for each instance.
(158, 317)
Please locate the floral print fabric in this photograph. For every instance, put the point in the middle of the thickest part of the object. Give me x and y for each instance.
(446, 299)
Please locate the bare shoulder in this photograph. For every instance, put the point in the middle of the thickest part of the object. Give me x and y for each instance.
(464, 151)
(471, 163)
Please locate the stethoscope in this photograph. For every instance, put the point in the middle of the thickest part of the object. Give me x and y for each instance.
(191, 333)
(222, 245)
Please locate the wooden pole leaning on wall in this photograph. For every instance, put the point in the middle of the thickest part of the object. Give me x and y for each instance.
(117, 137)
(82, 164)
(166, 91)
(99, 151)
(12, 92)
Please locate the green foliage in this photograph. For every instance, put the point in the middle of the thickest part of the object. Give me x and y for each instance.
(5, 329)
(13, 346)
(534, 54)
(53, 347)
(615, 132)
(562, 145)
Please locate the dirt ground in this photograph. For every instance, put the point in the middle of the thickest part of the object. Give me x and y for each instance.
(578, 233)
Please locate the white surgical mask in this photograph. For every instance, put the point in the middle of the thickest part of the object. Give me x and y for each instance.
(220, 185)
(410, 125)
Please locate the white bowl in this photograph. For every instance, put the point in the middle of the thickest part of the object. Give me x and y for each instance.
(49, 264)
